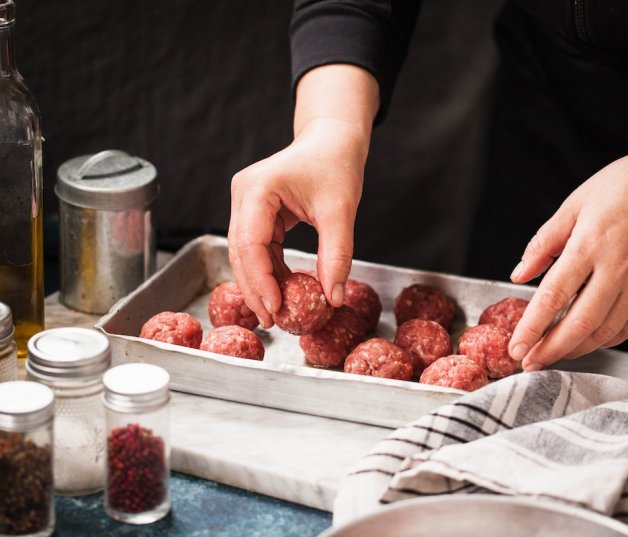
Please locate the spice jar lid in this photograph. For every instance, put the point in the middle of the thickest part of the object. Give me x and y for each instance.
(111, 180)
(24, 405)
(68, 353)
(7, 13)
(136, 387)
(6, 322)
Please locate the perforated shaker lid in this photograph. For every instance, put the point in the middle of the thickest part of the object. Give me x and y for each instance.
(111, 180)
(24, 405)
(6, 321)
(68, 353)
(136, 387)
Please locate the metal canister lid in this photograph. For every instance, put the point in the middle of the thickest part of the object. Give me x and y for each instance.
(136, 388)
(68, 354)
(6, 322)
(111, 180)
(24, 405)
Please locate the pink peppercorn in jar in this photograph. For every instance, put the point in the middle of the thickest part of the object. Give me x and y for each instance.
(137, 481)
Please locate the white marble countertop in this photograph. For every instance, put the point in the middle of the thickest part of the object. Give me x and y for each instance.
(292, 456)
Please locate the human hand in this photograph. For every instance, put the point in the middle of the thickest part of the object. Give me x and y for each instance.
(586, 244)
(317, 180)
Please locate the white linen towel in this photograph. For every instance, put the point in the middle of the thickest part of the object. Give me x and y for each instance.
(550, 434)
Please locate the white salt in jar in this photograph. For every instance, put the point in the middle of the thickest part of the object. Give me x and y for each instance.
(72, 361)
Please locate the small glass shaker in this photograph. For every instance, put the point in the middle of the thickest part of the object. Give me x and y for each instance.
(8, 349)
(137, 489)
(72, 361)
(26, 495)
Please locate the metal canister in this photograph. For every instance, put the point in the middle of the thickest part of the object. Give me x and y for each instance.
(107, 236)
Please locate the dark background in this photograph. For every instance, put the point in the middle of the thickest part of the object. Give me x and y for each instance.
(202, 89)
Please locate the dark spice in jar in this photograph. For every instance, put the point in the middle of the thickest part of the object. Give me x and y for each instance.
(136, 469)
(26, 484)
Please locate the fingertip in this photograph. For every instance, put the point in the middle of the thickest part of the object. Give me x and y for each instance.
(268, 305)
(337, 295)
(531, 367)
(518, 351)
(516, 273)
(266, 323)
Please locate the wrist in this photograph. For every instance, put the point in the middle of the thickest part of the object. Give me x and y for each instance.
(344, 137)
(340, 95)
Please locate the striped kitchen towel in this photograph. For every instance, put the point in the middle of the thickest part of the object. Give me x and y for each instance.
(549, 434)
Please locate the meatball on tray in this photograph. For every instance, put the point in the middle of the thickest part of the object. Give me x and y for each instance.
(283, 379)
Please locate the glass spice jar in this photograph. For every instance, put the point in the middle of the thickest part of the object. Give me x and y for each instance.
(137, 486)
(26, 495)
(71, 361)
(8, 349)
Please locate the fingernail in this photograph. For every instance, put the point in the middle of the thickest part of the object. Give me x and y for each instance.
(338, 294)
(529, 368)
(267, 305)
(518, 270)
(519, 351)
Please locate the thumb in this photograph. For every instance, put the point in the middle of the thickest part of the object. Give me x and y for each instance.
(545, 246)
(335, 251)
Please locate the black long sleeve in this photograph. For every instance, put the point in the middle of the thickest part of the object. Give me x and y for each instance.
(371, 34)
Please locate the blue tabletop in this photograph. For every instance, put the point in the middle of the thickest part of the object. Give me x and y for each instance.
(199, 508)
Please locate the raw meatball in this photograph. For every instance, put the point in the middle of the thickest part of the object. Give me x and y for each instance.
(455, 371)
(425, 341)
(176, 328)
(423, 302)
(234, 341)
(304, 308)
(364, 300)
(227, 307)
(329, 346)
(379, 358)
(487, 345)
(505, 313)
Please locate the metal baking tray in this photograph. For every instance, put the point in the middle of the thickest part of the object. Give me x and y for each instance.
(481, 515)
(284, 380)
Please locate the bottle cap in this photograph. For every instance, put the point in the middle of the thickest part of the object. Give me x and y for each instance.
(136, 387)
(6, 322)
(111, 180)
(68, 353)
(24, 405)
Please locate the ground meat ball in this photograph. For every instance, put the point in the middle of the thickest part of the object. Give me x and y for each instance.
(423, 302)
(234, 341)
(176, 328)
(379, 358)
(455, 371)
(364, 300)
(227, 307)
(425, 341)
(487, 345)
(505, 313)
(304, 308)
(329, 346)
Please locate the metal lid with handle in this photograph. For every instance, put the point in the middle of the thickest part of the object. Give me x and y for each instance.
(111, 180)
